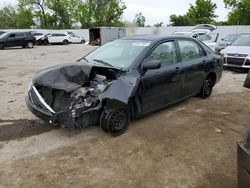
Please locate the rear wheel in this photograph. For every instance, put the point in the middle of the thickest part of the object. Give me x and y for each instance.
(65, 42)
(30, 44)
(2, 46)
(83, 41)
(206, 89)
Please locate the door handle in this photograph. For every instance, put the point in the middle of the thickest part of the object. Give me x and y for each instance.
(206, 61)
(178, 69)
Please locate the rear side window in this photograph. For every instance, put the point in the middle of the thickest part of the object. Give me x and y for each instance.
(165, 52)
(20, 35)
(190, 50)
(58, 35)
(12, 35)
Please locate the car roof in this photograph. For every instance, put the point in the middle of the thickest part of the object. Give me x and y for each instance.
(155, 37)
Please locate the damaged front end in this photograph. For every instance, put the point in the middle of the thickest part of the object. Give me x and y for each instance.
(70, 95)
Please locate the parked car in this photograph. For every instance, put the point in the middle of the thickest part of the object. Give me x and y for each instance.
(228, 40)
(194, 34)
(65, 38)
(206, 27)
(238, 54)
(243, 154)
(210, 39)
(24, 39)
(123, 80)
(198, 31)
(41, 38)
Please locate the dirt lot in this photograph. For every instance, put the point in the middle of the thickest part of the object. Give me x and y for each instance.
(192, 144)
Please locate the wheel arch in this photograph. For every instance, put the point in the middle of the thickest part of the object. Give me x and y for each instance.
(212, 76)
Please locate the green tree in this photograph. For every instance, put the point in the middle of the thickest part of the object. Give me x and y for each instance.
(61, 13)
(38, 7)
(8, 17)
(240, 12)
(98, 13)
(179, 20)
(160, 24)
(24, 19)
(12, 18)
(140, 20)
(202, 12)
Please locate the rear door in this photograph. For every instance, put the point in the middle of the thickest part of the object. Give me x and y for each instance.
(20, 39)
(194, 62)
(162, 86)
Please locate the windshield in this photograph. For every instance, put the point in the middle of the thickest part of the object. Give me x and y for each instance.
(209, 38)
(242, 41)
(231, 38)
(118, 54)
(3, 35)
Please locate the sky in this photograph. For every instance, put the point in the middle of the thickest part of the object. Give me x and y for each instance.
(156, 10)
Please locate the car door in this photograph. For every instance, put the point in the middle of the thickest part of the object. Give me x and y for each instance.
(162, 86)
(74, 38)
(53, 38)
(194, 62)
(10, 40)
(20, 39)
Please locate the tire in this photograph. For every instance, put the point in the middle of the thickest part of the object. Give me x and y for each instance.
(118, 122)
(206, 89)
(83, 41)
(103, 121)
(46, 42)
(2, 46)
(30, 44)
(65, 42)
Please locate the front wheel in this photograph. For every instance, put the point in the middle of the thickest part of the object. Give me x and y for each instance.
(118, 122)
(206, 89)
(65, 42)
(30, 44)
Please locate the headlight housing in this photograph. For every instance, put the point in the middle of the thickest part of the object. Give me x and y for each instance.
(30, 86)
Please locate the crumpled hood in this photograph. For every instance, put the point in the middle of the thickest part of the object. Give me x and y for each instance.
(66, 77)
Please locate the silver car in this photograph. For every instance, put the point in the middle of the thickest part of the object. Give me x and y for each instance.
(238, 54)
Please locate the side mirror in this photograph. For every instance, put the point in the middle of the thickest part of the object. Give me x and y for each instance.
(222, 39)
(155, 64)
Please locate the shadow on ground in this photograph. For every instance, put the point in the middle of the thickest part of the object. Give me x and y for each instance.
(21, 128)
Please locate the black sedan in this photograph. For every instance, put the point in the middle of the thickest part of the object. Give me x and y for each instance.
(123, 80)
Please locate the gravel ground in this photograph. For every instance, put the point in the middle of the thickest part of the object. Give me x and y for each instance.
(192, 144)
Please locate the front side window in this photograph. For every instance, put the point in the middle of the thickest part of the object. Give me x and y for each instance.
(190, 50)
(165, 52)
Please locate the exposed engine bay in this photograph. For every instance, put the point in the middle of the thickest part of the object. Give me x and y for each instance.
(83, 97)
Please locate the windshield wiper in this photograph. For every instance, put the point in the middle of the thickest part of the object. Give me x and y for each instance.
(102, 62)
(83, 58)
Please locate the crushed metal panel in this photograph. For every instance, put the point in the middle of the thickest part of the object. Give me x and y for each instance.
(66, 77)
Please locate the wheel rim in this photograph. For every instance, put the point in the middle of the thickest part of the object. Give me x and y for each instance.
(208, 88)
(117, 121)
